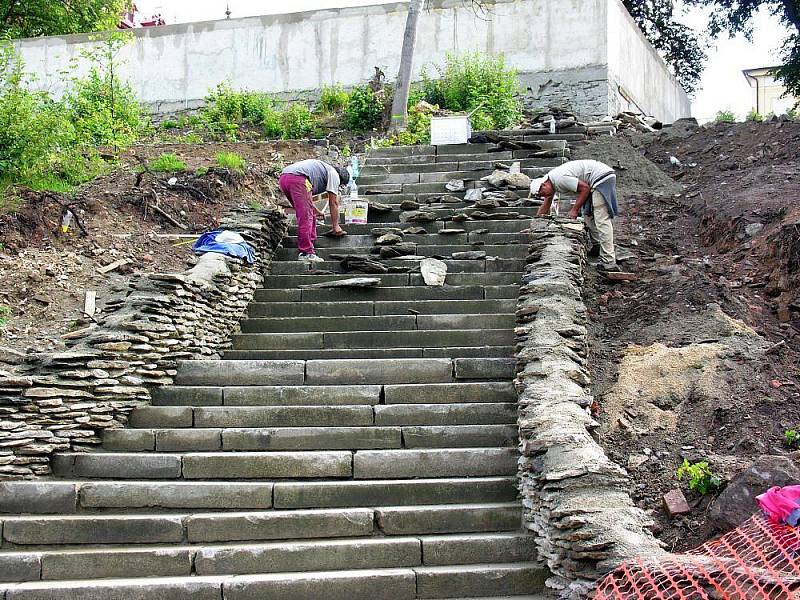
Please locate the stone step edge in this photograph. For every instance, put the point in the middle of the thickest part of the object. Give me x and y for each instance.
(257, 544)
(217, 583)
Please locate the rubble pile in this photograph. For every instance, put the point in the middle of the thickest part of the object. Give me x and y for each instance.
(575, 499)
(62, 401)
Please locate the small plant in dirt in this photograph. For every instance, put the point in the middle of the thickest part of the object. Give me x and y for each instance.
(200, 171)
(700, 477)
(298, 122)
(167, 163)
(477, 82)
(754, 117)
(254, 205)
(333, 99)
(791, 438)
(364, 111)
(169, 124)
(725, 116)
(231, 161)
(5, 315)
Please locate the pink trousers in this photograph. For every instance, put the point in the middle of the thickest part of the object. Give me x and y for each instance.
(297, 189)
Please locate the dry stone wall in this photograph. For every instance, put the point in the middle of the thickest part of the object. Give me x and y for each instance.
(63, 401)
(575, 499)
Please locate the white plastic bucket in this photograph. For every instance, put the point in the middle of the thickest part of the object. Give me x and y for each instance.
(450, 130)
(356, 212)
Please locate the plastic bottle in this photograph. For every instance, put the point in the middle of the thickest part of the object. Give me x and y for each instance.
(355, 168)
(65, 222)
(552, 126)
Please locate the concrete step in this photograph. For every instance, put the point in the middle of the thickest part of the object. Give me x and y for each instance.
(429, 239)
(394, 279)
(378, 308)
(465, 161)
(518, 251)
(366, 584)
(473, 580)
(446, 414)
(314, 372)
(151, 417)
(364, 464)
(378, 175)
(334, 395)
(376, 323)
(286, 557)
(197, 527)
(445, 462)
(512, 226)
(204, 465)
(405, 492)
(79, 496)
(443, 338)
(374, 353)
(446, 292)
(210, 439)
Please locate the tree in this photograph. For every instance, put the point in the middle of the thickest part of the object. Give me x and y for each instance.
(735, 16)
(33, 18)
(678, 44)
(400, 101)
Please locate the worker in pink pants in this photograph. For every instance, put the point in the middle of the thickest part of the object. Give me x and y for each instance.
(300, 182)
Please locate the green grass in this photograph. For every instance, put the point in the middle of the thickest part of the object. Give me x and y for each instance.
(167, 163)
(232, 161)
(201, 171)
(5, 315)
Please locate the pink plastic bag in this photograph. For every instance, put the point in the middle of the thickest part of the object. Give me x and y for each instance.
(778, 502)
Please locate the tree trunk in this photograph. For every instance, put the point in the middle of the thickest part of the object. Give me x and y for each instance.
(400, 102)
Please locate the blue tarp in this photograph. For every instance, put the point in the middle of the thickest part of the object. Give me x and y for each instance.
(209, 242)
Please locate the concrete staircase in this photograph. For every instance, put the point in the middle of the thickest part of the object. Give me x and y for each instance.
(354, 444)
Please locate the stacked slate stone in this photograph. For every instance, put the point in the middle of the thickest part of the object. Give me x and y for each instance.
(575, 499)
(62, 401)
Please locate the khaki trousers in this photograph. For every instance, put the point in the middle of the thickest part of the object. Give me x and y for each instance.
(601, 231)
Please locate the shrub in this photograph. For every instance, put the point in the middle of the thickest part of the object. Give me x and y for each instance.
(5, 315)
(169, 124)
(476, 81)
(725, 116)
(298, 122)
(754, 117)
(701, 478)
(791, 438)
(232, 161)
(104, 110)
(225, 109)
(364, 111)
(167, 163)
(333, 99)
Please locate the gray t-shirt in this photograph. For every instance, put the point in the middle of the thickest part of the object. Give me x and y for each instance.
(322, 176)
(565, 178)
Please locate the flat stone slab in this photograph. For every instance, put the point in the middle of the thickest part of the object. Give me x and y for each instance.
(94, 529)
(266, 465)
(246, 372)
(462, 518)
(206, 494)
(378, 371)
(455, 462)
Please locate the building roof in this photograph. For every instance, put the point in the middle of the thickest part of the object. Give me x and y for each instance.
(758, 72)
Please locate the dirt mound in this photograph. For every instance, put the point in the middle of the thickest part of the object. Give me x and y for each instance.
(698, 358)
(148, 220)
(636, 174)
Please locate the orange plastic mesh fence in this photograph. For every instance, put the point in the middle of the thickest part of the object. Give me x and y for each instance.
(759, 560)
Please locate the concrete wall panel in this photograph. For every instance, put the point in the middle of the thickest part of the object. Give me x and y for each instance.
(174, 66)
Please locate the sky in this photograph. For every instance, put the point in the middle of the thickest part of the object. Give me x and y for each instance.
(723, 86)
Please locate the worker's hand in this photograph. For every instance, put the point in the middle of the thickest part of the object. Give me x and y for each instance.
(573, 214)
(318, 212)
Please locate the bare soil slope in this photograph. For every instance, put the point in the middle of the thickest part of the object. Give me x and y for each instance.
(700, 357)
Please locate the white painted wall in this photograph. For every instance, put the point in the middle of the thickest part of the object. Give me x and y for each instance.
(635, 65)
(175, 66)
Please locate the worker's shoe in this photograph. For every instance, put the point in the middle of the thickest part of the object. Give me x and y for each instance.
(309, 258)
(594, 251)
(608, 267)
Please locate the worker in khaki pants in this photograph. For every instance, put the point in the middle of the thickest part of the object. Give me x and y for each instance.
(586, 179)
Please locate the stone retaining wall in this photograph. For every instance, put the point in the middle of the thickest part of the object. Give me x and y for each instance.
(575, 499)
(63, 401)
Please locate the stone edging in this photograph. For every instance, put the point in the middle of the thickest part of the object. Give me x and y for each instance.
(575, 499)
(63, 401)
